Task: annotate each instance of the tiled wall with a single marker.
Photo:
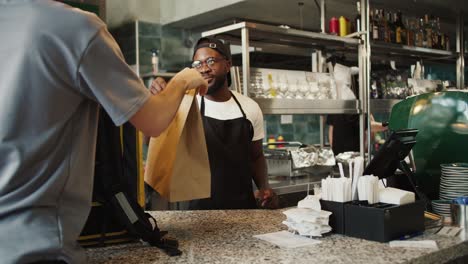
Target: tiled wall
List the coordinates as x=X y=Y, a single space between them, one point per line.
x=304 y=128
x=175 y=50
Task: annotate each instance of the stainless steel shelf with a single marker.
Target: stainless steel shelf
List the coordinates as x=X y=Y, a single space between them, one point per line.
x=383 y=105
x=304 y=106
x=393 y=50
x=286 y=36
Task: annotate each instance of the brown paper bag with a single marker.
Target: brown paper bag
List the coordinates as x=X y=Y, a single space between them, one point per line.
x=177 y=165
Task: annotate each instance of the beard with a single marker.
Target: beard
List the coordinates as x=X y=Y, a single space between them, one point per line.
x=218 y=83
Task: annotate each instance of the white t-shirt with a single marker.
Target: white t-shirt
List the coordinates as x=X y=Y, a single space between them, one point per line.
x=57 y=65
x=230 y=110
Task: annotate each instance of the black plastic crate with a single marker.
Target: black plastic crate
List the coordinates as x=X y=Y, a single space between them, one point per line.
x=337 y=218
x=383 y=222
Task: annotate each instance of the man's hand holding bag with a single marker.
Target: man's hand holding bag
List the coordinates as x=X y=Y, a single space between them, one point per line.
x=177 y=163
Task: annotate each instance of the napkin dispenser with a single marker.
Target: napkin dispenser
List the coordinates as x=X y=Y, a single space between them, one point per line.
x=379 y=222
x=337 y=218
x=383 y=222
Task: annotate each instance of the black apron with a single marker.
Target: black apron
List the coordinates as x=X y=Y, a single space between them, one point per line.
x=228 y=143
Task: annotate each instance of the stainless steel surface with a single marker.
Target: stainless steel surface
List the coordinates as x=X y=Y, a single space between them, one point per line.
x=258 y=46
x=322 y=130
x=461 y=51
x=364 y=78
x=235 y=78
x=137 y=50
x=411 y=52
x=323 y=21
x=304 y=106
x=224 y=29
x=459 y=214
x=274 y=34
x=245 y=60
x=279 y=167
x=284 y=184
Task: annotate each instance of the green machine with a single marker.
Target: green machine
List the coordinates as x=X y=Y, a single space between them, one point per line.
x=442 y=121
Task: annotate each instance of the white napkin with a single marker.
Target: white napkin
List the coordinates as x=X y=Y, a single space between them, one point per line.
x=311 y=202
x=305 y=214
x=285 y=239
x=308 y=219
x=395 y=196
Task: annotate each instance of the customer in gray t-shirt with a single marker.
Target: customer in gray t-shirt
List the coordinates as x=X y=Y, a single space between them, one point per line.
x=57 y=64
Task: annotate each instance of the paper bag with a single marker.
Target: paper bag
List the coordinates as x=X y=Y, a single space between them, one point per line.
x=177 y=166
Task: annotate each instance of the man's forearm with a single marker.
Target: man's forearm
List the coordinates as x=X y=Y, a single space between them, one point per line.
x=260 y=172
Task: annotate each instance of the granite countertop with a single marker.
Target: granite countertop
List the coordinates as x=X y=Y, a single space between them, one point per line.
x=226 y=237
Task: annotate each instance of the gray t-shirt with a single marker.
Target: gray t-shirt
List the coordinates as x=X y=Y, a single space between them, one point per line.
x=57 y=64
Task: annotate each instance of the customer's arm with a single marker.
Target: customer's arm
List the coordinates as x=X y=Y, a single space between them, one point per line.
x=158 y=111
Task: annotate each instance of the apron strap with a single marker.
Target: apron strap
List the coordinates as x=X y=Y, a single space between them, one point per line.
x=240 y=107
x=202 y=106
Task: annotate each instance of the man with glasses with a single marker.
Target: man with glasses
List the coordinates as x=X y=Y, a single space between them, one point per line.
x=234 y=131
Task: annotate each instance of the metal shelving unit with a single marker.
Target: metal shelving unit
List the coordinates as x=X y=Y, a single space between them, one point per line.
x=410 y=52
x=304 y=42
x=298 y=41
x=304 y=106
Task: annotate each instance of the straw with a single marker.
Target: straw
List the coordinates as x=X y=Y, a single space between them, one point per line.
x=340 y=166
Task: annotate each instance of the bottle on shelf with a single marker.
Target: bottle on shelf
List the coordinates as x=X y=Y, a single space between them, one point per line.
x=391 y=27
x=349 y=26
x=419 y=36
x=271 y=139
x=334 y=26
x=155 y=60
x=400 y=31
x=447 y=42
x=382 y=26
x=410 y=32
x=434 y=35
x=427 y=41
x=280 y=139
x=374 y=25
x=343 y=26
x=272 y=87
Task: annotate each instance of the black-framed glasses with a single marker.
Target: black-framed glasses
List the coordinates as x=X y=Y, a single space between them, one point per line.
x=210 y=62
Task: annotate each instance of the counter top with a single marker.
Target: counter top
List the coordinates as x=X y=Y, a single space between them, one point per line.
x=226 y=237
